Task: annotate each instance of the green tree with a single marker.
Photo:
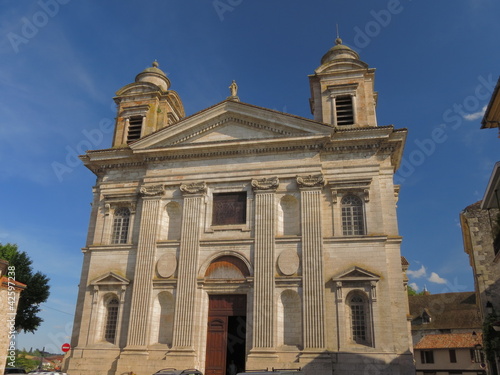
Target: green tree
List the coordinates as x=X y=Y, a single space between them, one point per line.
x=26 y=363
x=413 y=292
x=36 y=292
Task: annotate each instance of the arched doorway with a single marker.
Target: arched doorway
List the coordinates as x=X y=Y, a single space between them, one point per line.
x=226 y=331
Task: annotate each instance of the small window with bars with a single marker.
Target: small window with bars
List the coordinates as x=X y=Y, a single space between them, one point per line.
x=229 y=208
x=344 y=110
x=111 y=320
x=121 y=225
x=358 y=320
x=352 y=216
x=134 y=128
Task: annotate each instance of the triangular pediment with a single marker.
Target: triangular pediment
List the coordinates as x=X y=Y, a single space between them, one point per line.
x=230 y=122
x=358 y=274
x=110 y=278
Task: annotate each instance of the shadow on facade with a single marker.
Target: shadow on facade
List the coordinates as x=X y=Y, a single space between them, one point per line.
x=344 y=363
x=491 y=324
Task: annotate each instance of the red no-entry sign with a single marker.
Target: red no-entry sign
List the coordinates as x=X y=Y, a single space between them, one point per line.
x=65 y=347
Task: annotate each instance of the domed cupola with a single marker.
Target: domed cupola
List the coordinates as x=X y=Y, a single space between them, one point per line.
x=145 y=106
x=339 y=52
x=342 y=89
x=155 y=76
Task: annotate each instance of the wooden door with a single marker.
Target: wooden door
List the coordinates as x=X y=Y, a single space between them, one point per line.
x=220 y=308
x=216 y=346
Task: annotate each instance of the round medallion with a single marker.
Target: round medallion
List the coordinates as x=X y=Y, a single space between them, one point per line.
x=288 y=262
x=166 y=265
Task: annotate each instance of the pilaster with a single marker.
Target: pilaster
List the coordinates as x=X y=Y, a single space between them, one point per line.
x=264 y=309
x=144 y=268
x=188 y=261
x=312 y=261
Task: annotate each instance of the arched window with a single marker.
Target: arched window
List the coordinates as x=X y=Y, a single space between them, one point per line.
x=121 y=225
x=352 y=216
x=111 y=320
x=359 y=314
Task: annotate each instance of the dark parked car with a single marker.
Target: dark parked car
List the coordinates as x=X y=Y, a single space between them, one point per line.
x=173 y=371
x=14 y=370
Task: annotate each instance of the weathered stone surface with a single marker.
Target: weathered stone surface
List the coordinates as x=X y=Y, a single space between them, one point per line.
x=287 y=252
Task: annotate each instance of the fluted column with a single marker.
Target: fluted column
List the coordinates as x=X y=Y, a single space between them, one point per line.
x=139 y=324
x=188 y=263
x=312 y=262
x=263 y=308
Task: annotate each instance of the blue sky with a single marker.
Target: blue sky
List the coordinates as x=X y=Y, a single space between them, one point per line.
x=61 y=61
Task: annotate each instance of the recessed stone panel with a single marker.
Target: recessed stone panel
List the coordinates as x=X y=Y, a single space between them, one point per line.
x=288 y=262
x=166 y=265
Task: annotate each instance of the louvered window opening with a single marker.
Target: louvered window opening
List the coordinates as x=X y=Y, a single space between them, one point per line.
x=358 y=319
x=111 y=321
x=134 y=128
x=229 y=208
x=352 y=216
x=120 y=226
x=344 y=110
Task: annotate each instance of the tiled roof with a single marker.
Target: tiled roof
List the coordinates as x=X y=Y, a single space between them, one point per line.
x=5 y=282
x=404 y=261
x=450 y=341
x=446 y=311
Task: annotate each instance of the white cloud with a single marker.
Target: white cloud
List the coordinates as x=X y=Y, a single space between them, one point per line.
x=414 y=286
x=475 y=115
x=435 y=278
x=418 y=273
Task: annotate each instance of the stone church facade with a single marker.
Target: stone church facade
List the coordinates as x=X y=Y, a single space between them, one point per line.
x=242 y=237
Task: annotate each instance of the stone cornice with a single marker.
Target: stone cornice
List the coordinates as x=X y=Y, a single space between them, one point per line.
x=377 y=139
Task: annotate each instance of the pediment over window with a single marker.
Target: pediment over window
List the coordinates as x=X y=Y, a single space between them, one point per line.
x=110 y=279
x=356 y=274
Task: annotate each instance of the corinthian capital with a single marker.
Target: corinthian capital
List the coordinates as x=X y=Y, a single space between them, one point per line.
x=265 y=183
x=151 y=191
x=194 y=188
x=311 y=181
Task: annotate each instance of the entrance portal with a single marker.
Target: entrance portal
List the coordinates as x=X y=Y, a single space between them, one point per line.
x=226 y=334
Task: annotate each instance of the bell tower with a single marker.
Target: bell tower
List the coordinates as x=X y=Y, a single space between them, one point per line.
x=145 y=106
x=342 y=89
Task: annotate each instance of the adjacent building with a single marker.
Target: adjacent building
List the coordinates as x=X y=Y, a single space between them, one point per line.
x=480 y=224
x=447 y=334
x=242 y=236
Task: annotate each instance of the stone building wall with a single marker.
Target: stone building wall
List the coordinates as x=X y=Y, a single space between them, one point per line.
x=479 y=229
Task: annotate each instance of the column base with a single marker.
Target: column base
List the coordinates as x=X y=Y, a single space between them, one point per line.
x=261 y=359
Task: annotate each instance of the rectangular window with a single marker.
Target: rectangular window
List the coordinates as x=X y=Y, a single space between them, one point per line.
x=134 y=128
x=476 y=356
x=427 y=356
x=453 y=356
x=344 y=110
x=229 y=208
